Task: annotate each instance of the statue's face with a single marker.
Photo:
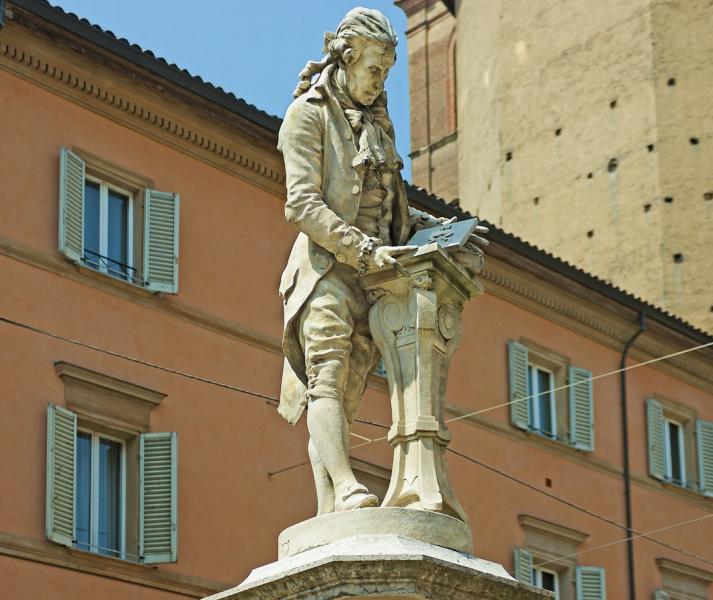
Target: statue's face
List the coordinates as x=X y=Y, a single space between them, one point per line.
x=366 y=77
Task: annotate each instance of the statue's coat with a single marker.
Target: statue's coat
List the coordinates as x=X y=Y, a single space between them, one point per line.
x=318 y=146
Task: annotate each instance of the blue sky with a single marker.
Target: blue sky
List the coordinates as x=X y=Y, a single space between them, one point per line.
x=253 y=49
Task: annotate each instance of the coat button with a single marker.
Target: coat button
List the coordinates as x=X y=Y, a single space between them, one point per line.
x=355 y=190
x=346 y=241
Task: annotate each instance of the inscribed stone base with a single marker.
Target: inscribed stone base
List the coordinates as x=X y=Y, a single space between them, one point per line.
x=381 y=567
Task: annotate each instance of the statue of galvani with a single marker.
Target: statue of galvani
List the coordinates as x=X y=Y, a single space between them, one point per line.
x=346 y=197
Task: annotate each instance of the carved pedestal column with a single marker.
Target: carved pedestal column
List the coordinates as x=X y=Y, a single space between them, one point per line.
x=416 y=323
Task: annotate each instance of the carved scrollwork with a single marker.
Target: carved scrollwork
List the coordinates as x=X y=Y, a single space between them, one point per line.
x=393 y=313
x=449 y=320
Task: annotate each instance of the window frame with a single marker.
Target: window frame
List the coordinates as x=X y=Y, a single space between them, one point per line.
x=668 y=454
x=536 y=421
x=104 y=187
x=558 y=366
x=686 y=418
x=94 y=548
x=537 y=579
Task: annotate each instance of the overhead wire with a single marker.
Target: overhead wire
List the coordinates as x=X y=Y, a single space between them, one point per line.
x=576 y=506
x=633 y=537
x=366 y=441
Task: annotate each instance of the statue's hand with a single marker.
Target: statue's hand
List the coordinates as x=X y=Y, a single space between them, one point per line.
x=386 y=255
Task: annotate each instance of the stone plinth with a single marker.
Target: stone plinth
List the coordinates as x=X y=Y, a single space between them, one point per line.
x=420 y=525
x=383 y=567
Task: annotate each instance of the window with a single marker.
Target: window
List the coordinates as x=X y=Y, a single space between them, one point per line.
x=113 y=222
x=547 y=559
x=541 y=403
x=111 y=485
x=108 y=228
x=546 y=580
x=680 y=446
x=543 y=410
x=380 y=369
x=675 y=452
x=100 y=493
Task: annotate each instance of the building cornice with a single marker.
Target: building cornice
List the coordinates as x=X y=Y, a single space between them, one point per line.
x=108 y=85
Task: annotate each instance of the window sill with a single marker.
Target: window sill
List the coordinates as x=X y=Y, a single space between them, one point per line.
x=46 y=552
x=684 y=489
x=100 y=279
x=552 y=442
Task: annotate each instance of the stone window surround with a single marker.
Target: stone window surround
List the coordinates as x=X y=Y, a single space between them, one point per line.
x=558 y=364
x=117 y=408
x=687 y=417
x=548 y=541
x=682 y=581
x=123 y=408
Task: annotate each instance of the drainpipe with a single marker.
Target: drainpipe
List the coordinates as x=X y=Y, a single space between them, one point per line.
x=627 y=470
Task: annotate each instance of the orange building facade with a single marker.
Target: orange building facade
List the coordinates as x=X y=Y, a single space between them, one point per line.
x=142 y=453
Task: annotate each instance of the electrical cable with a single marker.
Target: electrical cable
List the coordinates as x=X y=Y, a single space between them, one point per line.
x=139 y=361
x=274 y=401
x=575 y=506
x=626 y=539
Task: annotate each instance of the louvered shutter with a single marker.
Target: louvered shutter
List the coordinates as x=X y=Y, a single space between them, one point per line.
x=59 y=504
x=71 y=205
x=581 y=409
x=704 y=443
x=661 y=595
x=523 y=566
x=655 y=432
x=158 y=520
x=519 y=385
x=161 y=241
x=591 y=583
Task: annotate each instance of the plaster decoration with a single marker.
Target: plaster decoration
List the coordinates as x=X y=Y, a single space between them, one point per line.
x=346 y=197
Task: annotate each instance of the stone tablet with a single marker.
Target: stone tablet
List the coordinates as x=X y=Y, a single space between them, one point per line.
x=447 y=235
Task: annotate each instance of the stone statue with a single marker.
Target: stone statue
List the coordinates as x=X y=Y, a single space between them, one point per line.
x=346 y=197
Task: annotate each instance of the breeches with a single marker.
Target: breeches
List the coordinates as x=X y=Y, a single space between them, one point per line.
x=335 y=337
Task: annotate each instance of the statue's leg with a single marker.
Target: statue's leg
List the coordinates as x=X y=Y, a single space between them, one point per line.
x=322 y=481
x=327 y=327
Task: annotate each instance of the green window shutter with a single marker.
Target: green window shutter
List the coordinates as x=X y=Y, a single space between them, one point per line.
x=158 y=519
x=519 y=385
x=655 y=434
x=581 y=409
x=71 y=205
x=591 y=583
x=161 y=241
x=523 y=566
x=704 y=443
x=59 y=505
x=661 y=595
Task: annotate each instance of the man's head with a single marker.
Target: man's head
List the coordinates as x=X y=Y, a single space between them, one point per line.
x=367 y=70
x=365 y=47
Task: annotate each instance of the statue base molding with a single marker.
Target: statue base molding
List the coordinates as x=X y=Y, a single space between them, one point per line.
x=381 y=567
x=420 y=525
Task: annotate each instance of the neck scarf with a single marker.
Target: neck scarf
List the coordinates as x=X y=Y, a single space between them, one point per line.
x=373 y=128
